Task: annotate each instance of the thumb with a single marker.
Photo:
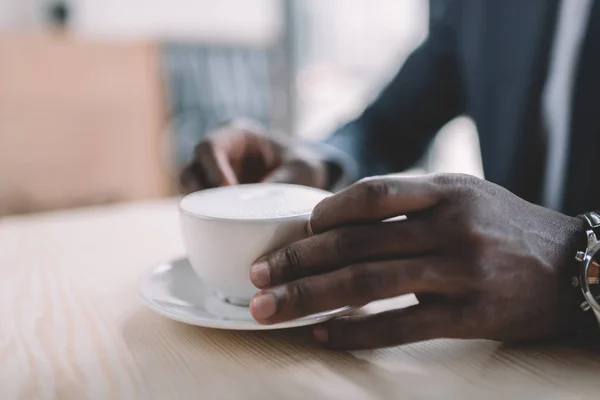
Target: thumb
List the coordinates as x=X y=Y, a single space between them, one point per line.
x=212 y=166
x=298 y=172
x=284 y=174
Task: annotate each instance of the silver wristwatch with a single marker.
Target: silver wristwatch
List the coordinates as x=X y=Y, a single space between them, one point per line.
x=589 y=271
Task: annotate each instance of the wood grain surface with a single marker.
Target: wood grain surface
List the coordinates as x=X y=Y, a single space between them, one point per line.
x=73 y=327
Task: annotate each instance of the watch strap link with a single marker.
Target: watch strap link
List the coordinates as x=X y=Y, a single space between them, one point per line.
x=592 y=219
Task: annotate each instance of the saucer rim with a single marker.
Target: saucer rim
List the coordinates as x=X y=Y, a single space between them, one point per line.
x=239 y=325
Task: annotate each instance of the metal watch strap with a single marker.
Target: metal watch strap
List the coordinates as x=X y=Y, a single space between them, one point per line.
x=593 y=221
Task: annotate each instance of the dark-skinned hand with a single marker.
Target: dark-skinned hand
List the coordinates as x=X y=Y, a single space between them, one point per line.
x=242 y=152
x=483 y=263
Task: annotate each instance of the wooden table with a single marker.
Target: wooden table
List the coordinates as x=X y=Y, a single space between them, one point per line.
x=73 y=327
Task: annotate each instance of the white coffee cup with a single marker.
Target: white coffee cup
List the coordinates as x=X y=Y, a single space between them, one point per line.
x=225 y=230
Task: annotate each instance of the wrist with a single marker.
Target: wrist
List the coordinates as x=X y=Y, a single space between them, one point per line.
x=333 y=173
x=340 y=168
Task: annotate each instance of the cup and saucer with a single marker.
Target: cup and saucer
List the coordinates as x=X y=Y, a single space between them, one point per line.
x=173 y=290
x=224 y=232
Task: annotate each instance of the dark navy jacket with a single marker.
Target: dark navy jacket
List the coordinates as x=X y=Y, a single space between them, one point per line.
x=486 y=59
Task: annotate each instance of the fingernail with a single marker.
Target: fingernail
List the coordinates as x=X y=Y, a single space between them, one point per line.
x=321 y=334
x=260 y=274
x=309 y=229
x=263 y=306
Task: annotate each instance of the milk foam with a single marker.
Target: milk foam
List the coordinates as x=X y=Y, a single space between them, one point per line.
x=257 y=201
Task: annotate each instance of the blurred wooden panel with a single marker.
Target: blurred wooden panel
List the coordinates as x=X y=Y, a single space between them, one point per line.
x=80 y=123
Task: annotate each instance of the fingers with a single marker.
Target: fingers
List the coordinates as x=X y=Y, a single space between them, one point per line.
x=299 y=172
x=210 y=168
x=302 y=167
x=215 y=165
x=239 y=154
x=375 y=199
x=392 y=328
x=284 y=174
x=355 y=285
x=344 y=246
x=212 y=165
x=191 y=179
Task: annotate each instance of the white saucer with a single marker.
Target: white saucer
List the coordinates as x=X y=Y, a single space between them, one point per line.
x=175 y=291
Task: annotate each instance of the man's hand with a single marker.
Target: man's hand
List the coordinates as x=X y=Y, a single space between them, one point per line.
x=241 y=153
x=482 y=262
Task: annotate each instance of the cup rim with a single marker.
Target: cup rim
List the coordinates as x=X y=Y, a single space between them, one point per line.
x=292 y=217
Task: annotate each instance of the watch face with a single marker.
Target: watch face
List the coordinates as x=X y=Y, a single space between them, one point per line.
x=593 y=276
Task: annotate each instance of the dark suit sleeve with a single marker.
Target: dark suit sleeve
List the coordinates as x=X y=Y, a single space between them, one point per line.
x=395 y=130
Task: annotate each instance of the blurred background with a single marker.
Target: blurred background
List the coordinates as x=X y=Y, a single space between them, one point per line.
x=102 y=101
